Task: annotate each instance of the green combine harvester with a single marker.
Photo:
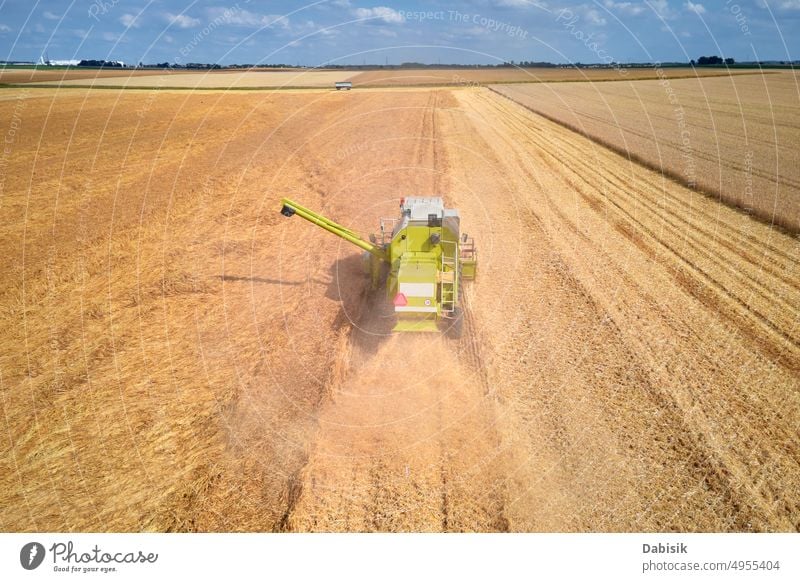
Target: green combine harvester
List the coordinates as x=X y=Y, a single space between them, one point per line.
x=426 y=256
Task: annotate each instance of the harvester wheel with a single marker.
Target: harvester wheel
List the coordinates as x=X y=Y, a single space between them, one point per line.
x=456 y=324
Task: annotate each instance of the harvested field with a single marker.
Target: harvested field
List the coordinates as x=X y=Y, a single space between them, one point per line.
x=32 y=75
x=255 y=78
x=735 y=138
x=175 y=355
x=517 y=75
x=213 y=79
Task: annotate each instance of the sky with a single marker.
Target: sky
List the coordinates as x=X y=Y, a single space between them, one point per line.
x=346 y=32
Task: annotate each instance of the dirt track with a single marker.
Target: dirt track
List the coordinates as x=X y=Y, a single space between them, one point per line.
x=631 y=359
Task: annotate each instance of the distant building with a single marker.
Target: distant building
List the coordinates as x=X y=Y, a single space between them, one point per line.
x=59 y=63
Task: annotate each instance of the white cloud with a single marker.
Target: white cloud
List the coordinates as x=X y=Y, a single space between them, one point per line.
x=783 y=5
x=382 y=32
x=130 y=21
x=50 y=16
x=382 y=13
x=474 y=31
x=110 y=37
x=181 y=20
x=519 y=4
x=246 y=18
x=305 y=27
x=661 y=7
x=593 y=16
x=632 y=8
x=514 y=3
x=4 y=28
x=696 y=8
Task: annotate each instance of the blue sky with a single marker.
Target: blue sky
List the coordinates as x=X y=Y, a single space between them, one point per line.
x=395 y=31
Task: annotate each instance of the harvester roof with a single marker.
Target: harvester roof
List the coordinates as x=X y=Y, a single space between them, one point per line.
x=429 y=211
x=420 y=208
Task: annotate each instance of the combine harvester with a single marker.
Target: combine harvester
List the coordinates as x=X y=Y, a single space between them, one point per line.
x=426 y=257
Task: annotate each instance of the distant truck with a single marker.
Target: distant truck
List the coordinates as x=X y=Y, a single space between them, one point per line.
x=346 y=85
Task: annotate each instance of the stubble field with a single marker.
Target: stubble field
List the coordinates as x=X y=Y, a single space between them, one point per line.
x=234 y=79
x=13 y=75
x=175 y=355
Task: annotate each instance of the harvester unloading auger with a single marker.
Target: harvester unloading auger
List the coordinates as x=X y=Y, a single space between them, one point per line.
x=427 y=258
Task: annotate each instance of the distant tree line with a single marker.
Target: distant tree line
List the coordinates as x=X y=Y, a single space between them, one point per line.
x=715 y=60
x=529 y=64
x=701 y=61
x=99 y=63
x=166 y=65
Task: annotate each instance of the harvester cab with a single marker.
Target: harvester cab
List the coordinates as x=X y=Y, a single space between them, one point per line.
x=427 y=256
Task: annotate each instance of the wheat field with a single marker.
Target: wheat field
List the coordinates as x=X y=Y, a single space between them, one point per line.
x=177 y=356
x=255 y=78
